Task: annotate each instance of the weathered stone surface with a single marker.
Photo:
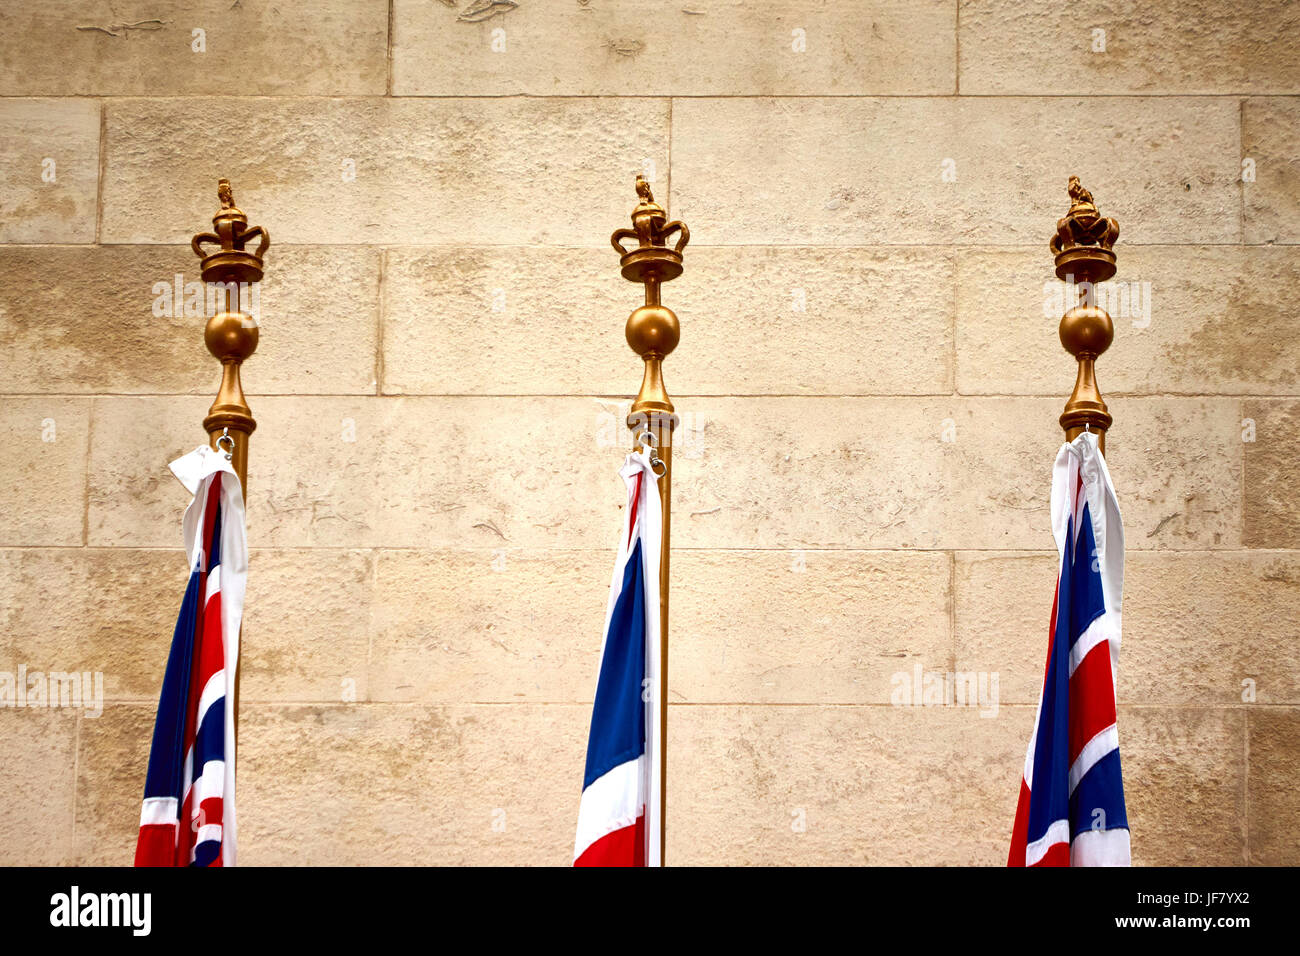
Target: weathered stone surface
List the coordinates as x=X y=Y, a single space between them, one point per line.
x=1189 y=320
x=305 y=634
x=110 y=611
x=864 y=782
x=482 y=171
x=134 y=499
x=759 y=171
x=1273 y=801
x=43 y=470
x=831 y=473
x=49 y=169
x=775 y=627
x=484 y=321
x=1183 y=775
x=491 y=625
x=108 y=319
x=372 y=472
x=1196 y=625
x=80 y=47
x=803 y=321
x=805 y=626
x=36 y=791
x=867 y=379
x=959 y=473
x=112 y=760
x=1270 y=474
x=1197 y=47
x=1003 y=604
x=1270 y=135
x=113 y=611
x=508 y=321
x=1176 y=465
x=717 y=47
x=351 y=784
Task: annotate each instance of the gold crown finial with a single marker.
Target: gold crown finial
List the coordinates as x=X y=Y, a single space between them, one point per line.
x=231 y=262
x=1083 y=247
x=1084 y=238
x=652 y=329
x=651 y=259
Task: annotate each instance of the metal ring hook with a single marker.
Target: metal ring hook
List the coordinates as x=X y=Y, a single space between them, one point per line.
x=647 y=438
x=225 y=436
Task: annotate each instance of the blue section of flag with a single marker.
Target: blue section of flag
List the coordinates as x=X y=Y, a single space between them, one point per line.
x=1080 y=601
x=1081 y=592
x=167 y=753
x=1050 y=799
x=618 y=717
x=210 y=740
x=1101 y=789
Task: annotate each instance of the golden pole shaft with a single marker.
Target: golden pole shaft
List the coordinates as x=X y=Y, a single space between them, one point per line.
x=652 y=332
x=231 y=336
x=663 y=432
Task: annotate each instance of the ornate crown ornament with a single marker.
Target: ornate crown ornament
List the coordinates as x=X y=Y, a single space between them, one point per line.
x=231 y=262
x=651 y=259
x=1084 y=256
x=231 y=334
x=1084 y=239
x=652 y=329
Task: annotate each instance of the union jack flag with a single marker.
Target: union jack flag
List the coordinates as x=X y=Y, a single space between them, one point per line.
x=188 y=814
x=1071 y=810
x=619 y=817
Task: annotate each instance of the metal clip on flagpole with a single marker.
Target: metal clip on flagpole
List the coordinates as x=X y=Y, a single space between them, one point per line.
x=653 y=331
x=231 y=334
x=1084 y=257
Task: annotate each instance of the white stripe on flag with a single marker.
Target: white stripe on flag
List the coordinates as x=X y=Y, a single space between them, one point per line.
x=209 y=784
x=1096 y=748
x=612 y=802
x=214 y=584
x=209 y=833
x=1058 y=832
x=1101 y=848
x=156 y=810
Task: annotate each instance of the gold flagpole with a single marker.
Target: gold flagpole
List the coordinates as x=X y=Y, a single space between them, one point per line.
x=1084 y=257
x=231 y=334
x=653 y=331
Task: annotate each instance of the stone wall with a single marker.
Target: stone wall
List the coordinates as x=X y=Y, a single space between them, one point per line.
x=869 y=378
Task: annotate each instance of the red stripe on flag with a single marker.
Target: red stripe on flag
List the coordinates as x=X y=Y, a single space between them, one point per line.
x=1057 y=855
x=636 y=501
x=1092 y=698
x=1020 y=832
x=625 y=847
x=156 y=845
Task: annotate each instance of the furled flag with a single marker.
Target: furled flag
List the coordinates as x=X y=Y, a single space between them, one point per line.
x=619 y=817
x=188 y=816
x=1071 y=810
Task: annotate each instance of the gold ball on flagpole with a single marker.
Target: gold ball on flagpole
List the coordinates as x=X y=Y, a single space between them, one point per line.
x=653 y=329
x=1086 y=330
x=231 y=335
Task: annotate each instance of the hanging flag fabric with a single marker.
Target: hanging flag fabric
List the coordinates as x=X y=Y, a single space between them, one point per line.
x=188 y=815
x=619 y=816
x=1071 y=810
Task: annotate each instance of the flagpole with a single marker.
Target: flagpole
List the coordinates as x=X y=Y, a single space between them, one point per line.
x=652 y=332
x=1083 y=248
x=231 y=334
